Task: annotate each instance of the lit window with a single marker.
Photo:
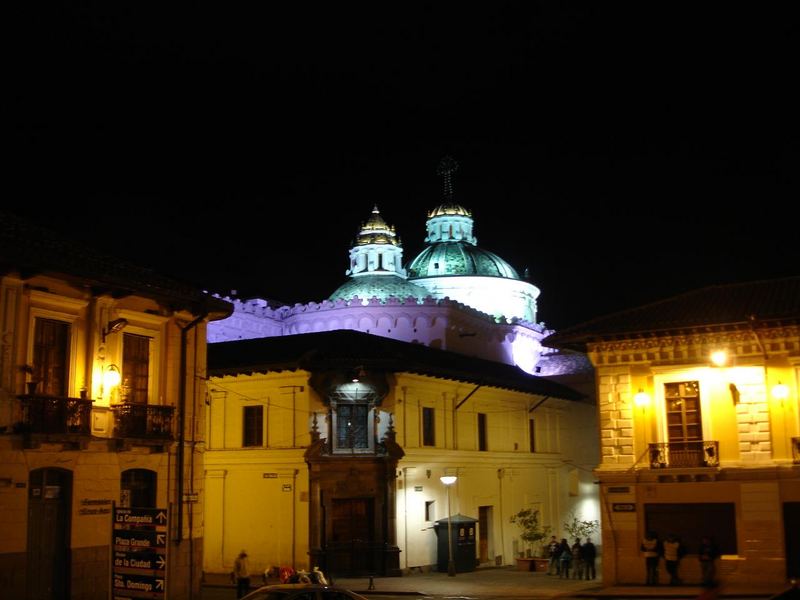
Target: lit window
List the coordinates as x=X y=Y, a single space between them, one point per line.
x=351 y=426
x=135 y=368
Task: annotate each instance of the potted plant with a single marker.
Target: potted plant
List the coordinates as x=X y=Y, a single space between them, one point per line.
x=31 y=382
x=578 y=528
x=532 y=533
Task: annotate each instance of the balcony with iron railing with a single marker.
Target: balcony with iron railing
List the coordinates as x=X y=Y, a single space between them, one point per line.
x=61 y=419
x=143 y=421
x=45 y=418
x=681 y=455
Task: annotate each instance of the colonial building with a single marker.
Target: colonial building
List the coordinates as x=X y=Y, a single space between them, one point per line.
x=326 y=449
x=345 y=435
x=699 y=430
x=101 y=409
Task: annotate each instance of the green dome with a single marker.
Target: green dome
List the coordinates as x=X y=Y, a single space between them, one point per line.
x=459 y=258
x=379 y=286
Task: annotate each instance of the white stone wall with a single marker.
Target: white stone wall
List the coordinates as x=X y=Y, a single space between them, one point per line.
x=443 y=324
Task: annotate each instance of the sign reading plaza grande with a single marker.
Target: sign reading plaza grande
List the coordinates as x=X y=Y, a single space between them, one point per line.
x=139 y=559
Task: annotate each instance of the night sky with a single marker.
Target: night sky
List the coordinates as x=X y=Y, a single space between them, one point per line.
x=622 y=152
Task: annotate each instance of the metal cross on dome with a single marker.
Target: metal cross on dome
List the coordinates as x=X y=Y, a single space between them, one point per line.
x=447 y=166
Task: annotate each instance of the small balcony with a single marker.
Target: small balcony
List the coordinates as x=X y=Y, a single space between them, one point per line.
x=796 y=450
x=143 y=421
x=54 y=418
x=681 y=455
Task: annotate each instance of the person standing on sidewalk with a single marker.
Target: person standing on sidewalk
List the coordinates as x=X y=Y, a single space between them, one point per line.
x=564 y=558
x=589 y=554
x=651 y=549
x=707 y=555
x=577 y=559
x=553 y=551
x=673 y=552
x=241 y=574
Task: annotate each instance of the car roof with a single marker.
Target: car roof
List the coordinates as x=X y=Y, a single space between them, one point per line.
x=288 y=587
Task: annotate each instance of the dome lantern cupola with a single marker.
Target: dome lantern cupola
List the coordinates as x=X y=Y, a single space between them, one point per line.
x=376 y=250
x=449 y=222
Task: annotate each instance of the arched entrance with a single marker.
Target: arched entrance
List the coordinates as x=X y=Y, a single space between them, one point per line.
x=48 y=564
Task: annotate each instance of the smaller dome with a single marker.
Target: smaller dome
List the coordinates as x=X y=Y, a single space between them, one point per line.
x=457 y=258
x=376 y=231
x=379 y=286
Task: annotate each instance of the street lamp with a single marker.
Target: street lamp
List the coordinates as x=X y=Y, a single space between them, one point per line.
x=449 y=480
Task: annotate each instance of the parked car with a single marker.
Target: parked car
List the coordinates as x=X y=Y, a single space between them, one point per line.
x=302 y=591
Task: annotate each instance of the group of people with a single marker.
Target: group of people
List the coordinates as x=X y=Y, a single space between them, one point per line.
x=578 y=558
x=673 y=550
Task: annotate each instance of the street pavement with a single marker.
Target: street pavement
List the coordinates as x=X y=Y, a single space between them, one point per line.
x=508 y=582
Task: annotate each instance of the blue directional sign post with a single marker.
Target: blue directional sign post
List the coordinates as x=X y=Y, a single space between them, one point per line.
x=139 y=555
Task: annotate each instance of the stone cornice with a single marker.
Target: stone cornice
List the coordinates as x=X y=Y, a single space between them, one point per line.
x=737 y=337
x=260 y=308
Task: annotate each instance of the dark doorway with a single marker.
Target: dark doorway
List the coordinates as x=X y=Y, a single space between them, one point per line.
x=791 y=525
x=691 y=521
x=350 y=547
x=49 y=505
x=484 y=518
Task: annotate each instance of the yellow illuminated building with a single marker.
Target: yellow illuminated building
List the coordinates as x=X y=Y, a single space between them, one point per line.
x=327 y=449
x=101 y=408
x=697 y=400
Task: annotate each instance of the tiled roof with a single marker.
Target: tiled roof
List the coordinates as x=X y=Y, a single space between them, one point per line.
x=379 y=286
x=460 y=258
x=756 y=303
x=30 y=249
x=347 y=349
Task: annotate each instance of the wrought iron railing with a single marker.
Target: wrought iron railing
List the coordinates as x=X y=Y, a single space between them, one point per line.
x=143 y=421
x=796 y=450
x=699 y=453
x=54 y=415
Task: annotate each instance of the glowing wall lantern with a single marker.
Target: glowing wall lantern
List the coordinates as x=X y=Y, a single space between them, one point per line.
x=780 y=391
x=642 y=399
x=719 y=358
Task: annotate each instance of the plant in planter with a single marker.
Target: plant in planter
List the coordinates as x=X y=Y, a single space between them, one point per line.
x=578 y=528
x=31 y=382
x=532 y=530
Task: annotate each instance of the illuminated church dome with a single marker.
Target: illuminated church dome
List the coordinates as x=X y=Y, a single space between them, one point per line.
x=462 y=298
x=452 y=265
x=376 y=265
x=458 y=258
x=379 y=286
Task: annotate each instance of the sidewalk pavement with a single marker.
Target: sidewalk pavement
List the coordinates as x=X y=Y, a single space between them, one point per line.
x=509 y=582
